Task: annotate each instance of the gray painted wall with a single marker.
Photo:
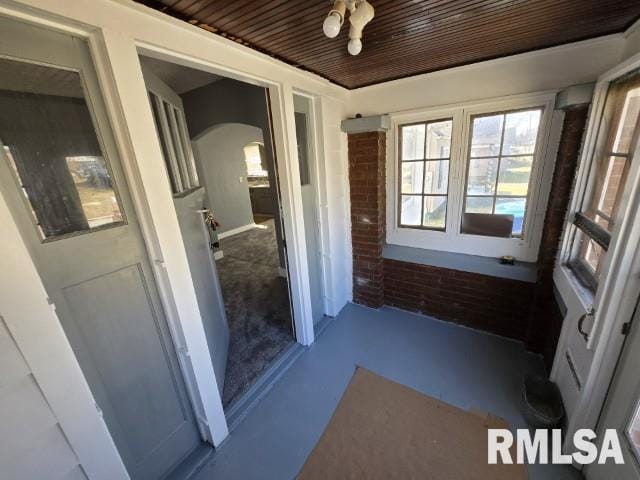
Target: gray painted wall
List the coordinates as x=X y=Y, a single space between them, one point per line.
x=230 y=101
x=219 y=154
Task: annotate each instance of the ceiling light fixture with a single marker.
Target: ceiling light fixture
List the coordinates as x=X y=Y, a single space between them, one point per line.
x=360 y=13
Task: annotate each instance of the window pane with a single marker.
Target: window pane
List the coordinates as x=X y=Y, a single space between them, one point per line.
x=520 y=132
x=48 y=133
x=413 y=142
x=436 y=177
x=628 y=121
x=435 y=212
x=514 y=175
x=410 y=210
x=609 y=184
x=481 y=178
x=439 y=139
x=515 y=207
x=412 y=177
x=479 y=205
x=487 y=132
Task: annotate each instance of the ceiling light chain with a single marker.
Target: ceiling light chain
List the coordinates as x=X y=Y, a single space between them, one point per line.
x=360 y=13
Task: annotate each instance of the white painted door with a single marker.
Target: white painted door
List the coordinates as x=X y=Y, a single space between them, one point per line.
x=189 y=201
x=310 y=210
x=622 y=412
x=62 y=179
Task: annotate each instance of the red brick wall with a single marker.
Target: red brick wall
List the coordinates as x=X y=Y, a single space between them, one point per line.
x=367 y=154
x=546 y=320
x=497 y=305
x=521 y=310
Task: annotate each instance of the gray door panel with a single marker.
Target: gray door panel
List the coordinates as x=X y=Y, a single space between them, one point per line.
x=205 y=278
x=61 y=176
x=310 y=214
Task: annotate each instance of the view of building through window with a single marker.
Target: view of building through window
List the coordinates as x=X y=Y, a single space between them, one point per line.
x=424 y=176
x=501 y=157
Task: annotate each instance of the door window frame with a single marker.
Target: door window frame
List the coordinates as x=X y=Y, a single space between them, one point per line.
x=10 y=163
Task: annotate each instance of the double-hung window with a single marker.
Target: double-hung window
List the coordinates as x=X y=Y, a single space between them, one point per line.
x=503 y=146
x=424 y=174
x=615 y=146
x=472 y=178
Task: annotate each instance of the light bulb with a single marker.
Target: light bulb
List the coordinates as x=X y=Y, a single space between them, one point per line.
x=354 y=46
x=331 y=25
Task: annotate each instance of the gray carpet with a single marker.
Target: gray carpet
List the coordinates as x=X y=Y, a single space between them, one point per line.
x=256 y=299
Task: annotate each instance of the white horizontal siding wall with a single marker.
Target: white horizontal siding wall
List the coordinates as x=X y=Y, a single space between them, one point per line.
x=334 y=203
x=33 y=445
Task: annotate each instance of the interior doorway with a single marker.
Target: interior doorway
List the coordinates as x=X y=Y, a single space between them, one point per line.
x=216 y=138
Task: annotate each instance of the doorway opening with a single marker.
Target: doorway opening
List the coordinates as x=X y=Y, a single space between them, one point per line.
x=216 y=137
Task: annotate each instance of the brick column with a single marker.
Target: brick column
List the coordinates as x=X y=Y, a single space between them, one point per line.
x=367 y=157
x=546 y=320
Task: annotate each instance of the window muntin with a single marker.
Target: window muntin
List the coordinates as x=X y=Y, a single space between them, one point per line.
x=425 y=152
x=618 y=134
x=49 y=140
x=500 y=161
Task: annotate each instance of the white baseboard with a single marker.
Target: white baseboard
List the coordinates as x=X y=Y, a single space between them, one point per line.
x=218 y=254
x=235 y=231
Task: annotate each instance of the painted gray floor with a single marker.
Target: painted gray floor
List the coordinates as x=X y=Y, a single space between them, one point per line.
x=256 y=299
x=466 y=368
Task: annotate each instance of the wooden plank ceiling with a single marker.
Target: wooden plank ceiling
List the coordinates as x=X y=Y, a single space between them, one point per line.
x=406 y=37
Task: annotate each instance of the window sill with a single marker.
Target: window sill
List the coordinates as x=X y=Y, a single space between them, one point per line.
x=521 y=271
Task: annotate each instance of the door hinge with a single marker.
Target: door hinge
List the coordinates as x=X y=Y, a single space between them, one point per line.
x=626 y=326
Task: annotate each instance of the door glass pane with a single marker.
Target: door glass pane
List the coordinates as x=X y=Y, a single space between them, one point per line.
x=633 y=433
x=514 y=175
x=482 y=175
x=50 y=142
x=413 y=142
x=412 y=173
x=435 y=212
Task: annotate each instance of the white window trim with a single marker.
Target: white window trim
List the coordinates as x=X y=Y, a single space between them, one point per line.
x=452 y=240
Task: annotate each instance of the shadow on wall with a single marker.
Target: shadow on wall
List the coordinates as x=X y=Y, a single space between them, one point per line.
x=220 y=158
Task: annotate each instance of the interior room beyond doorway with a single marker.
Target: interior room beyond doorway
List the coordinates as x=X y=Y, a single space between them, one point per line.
x=236 y=248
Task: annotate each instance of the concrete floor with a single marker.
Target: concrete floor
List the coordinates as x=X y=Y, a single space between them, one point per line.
x=466 y=368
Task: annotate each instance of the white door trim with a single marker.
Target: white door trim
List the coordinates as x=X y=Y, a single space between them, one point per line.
x=319 y=183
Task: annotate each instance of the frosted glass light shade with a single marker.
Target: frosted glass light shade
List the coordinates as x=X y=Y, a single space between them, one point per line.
x=354 y=46
x=332 y=24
